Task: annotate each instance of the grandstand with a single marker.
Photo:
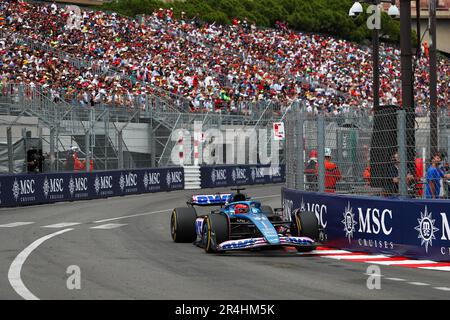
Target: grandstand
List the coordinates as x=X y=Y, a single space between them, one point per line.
x=178 y=67
x=84 y=2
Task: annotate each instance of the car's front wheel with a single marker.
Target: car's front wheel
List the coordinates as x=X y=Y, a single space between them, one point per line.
x=215 y=231
x=305 y=224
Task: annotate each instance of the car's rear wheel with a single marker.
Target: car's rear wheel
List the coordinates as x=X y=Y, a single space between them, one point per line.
x=215 y=231
x=305 y=224
x=182 y=225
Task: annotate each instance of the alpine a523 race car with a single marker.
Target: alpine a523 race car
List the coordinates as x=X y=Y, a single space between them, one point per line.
x=242 y=224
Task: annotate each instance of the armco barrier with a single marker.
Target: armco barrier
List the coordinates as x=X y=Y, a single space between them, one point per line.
x=411 y=228
x=27 y=189
x=236 y=175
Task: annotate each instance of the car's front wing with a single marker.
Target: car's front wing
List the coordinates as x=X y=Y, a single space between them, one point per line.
x=262 y=242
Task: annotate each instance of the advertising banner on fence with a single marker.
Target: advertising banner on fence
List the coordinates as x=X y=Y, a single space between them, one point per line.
x=16 y=190
x=235 y=175
x=414 y=228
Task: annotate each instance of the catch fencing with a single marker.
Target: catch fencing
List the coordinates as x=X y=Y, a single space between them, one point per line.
x=376 y=153
x=113 y=136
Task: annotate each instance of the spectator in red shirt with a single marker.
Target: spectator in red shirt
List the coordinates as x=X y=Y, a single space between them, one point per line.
x=418 y=177
x=332 y=173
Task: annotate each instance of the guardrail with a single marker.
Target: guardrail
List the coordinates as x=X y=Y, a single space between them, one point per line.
x=393 y=226
x=28 y=189
x=237 y=175
x=40 y=188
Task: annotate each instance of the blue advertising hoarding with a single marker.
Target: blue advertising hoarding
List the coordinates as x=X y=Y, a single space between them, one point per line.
x=407 y=227
x=236 y=175
x=27 y=189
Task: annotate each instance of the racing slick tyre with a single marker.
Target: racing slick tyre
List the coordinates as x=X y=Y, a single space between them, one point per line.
x=182 y=225
x=215 y=231
x=306 y=225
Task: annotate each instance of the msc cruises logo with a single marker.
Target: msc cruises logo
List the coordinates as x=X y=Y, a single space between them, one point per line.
x=426 y=229
x=71 y=186
x=302 y=206
x=46 y=187
x=253 y=174
x=349 y=222
x=16 y=189
x=122 y=182
x=97 y=184
x=146 y=180
x=213 y=175
x=168 y=179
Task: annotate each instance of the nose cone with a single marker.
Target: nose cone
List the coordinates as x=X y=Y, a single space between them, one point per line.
x=266 y=228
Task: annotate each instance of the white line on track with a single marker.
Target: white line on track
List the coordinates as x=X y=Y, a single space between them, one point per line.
x=355 y=257
x=323 y=252
x=165 y=210
x=61 y=225
x=419 y=283
x=442 y=288
x=133 y=215
x=436 y=268
x=15 y=224
x=391 y=263
x=16 y=266
x=395 y=279
x=265 y=197
x=109 y=226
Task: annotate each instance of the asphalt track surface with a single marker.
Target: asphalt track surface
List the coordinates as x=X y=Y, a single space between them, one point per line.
x=136 y=259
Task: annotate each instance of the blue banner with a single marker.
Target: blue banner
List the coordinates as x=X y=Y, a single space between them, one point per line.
x=237 y=175
x=26 y=189
x=407 y=227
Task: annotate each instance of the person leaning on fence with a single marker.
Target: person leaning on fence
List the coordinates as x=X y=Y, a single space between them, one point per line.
x=419 y=162
x=91 y=163
x=332 y=173
x=434 y=177
x=393 y=176
x=366 y=175
x=311 y=171
x=77 y=164
x=68 y=164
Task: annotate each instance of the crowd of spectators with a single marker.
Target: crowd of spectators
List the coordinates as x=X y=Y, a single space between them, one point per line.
x=212 y=67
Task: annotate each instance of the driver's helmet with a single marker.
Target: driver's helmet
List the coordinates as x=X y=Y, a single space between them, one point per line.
x=241 y=208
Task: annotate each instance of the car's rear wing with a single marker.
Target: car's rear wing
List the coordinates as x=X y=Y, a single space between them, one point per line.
x=210 y=199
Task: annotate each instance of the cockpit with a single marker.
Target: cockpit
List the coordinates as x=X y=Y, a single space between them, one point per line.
x=244 y=208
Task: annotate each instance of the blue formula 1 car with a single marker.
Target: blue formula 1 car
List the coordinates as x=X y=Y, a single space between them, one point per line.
x=242 y=224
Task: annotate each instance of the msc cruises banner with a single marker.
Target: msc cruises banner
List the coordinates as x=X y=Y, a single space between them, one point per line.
x=26 y=189
x=235 y=175
x=408 y=227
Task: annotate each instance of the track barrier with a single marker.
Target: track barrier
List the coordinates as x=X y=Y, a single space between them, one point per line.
x=394 y=226
x=41 y=188
x=27 y=189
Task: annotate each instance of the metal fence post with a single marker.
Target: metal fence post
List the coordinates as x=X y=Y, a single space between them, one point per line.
x=299 y=152
x=52 y=149
x=10 y=150
x=151 y=133
x=21 y=96
x=402 y=170
x=57 y=149
x=88 y=148
x=107 y=137
x=120 y=147
x=321 y=151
